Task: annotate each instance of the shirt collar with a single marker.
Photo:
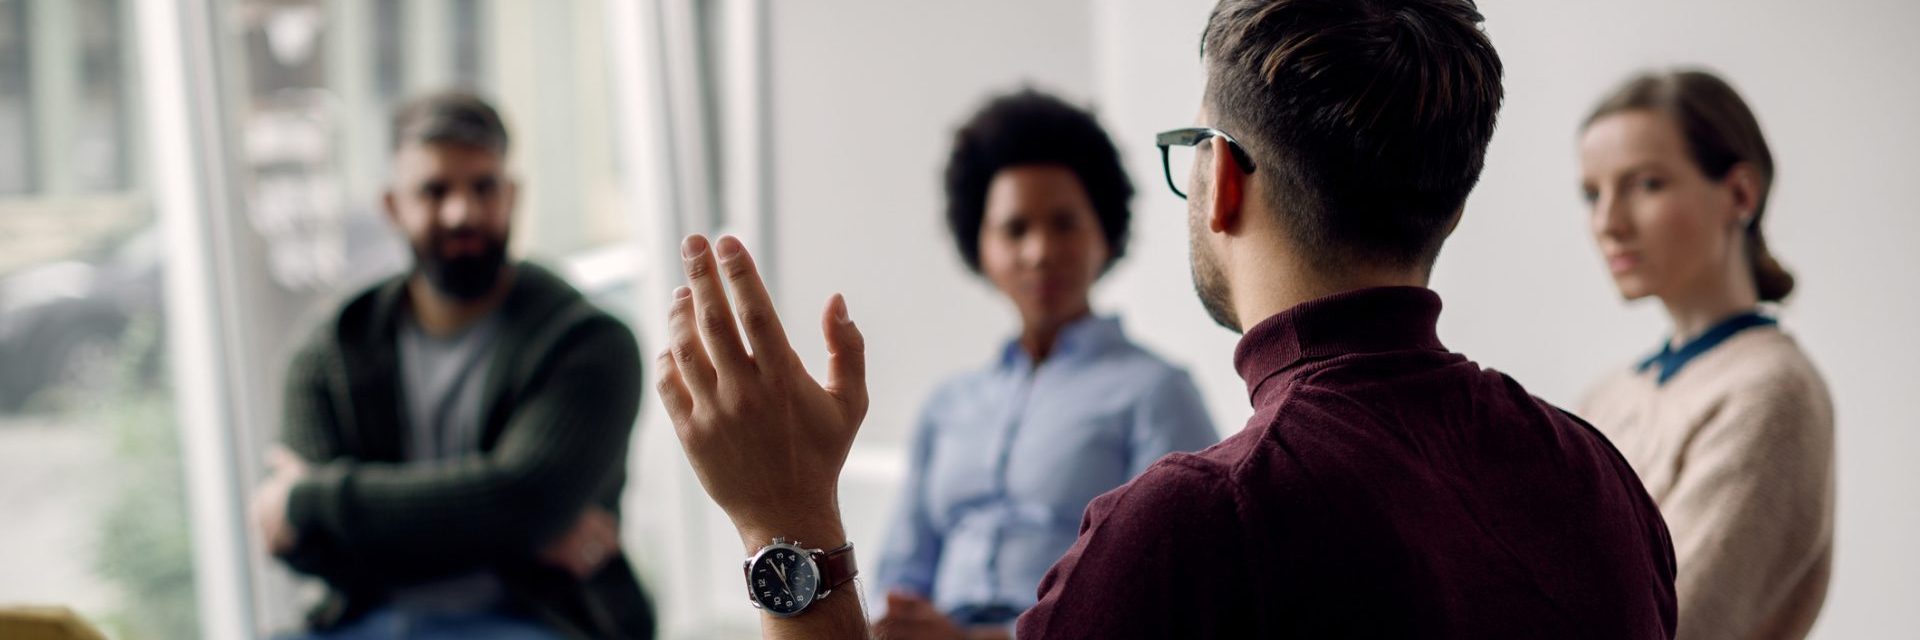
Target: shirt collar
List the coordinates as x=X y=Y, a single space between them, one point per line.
x=1360 y=321
x=1670 y=360
x=1089 y=334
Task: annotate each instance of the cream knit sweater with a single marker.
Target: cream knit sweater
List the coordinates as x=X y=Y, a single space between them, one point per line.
x=1737 y=448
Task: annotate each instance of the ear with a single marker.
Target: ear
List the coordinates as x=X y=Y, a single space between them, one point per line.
x=390 y=205
x=1455 y=222
x=1227 y=190
x=512 y=187
x=1743 y=189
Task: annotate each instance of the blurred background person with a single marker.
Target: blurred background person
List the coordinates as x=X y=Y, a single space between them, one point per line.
x=458 y=434
x=1728 y=424
x=1004 y=459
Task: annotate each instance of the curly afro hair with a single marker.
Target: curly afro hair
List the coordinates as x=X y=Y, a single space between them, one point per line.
x=1028 y=128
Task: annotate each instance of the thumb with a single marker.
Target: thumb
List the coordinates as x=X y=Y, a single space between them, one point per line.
x=846 y=358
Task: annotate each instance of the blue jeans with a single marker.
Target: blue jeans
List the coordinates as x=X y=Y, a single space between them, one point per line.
x=395 y=624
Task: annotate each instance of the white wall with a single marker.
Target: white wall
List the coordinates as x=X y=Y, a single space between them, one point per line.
x=1835 y=89
x=866 y=96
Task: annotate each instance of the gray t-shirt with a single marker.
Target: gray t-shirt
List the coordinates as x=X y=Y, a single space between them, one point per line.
x=442 y=379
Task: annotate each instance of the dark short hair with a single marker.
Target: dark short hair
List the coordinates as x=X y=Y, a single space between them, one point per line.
x=449 y=117
x=1369 y=119
x=1721 y=133
x=1033 y=128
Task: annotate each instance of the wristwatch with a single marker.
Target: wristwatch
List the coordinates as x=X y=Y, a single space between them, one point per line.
x=784 y=578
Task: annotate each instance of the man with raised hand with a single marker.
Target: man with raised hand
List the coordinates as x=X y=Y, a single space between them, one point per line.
x=1384 y=487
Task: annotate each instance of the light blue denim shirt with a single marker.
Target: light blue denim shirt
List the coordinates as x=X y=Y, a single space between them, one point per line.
x=1004 y=461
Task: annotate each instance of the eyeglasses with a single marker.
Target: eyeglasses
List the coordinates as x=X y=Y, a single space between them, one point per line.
x=1182 y=157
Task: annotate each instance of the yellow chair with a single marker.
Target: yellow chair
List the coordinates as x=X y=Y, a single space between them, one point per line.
x=44 y=623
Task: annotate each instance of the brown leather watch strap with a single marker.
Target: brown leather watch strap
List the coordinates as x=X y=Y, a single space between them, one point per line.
x=836 y=567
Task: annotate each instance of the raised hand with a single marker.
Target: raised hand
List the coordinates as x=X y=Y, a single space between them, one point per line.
x=766 y=440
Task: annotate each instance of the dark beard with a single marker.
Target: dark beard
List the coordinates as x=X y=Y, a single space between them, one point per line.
x=466 y=278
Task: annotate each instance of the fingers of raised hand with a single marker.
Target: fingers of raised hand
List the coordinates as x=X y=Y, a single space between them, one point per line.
x=846 y=358
x=673 y=391
x=690 y=361
x=758 y=317
x=713 y=314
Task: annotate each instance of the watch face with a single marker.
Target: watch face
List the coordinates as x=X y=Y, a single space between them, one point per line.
x=783 y=579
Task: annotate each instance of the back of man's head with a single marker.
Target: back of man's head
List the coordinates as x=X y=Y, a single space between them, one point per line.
x=449 y=117
x=1368 y=119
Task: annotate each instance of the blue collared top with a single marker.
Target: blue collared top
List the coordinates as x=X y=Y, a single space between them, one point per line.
x=1004 y=461
x=1670 y=360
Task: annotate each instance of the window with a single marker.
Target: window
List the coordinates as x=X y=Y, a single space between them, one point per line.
x=90 y=462
x=63 y=99
x=101 y=160
x=469 y=56
x=387 y=25
x=16 y=109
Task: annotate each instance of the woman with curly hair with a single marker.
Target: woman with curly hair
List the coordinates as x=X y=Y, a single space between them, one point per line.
x=1005 y=458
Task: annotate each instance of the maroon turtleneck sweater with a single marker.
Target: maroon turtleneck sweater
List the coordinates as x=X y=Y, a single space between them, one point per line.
x=1384 y=487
